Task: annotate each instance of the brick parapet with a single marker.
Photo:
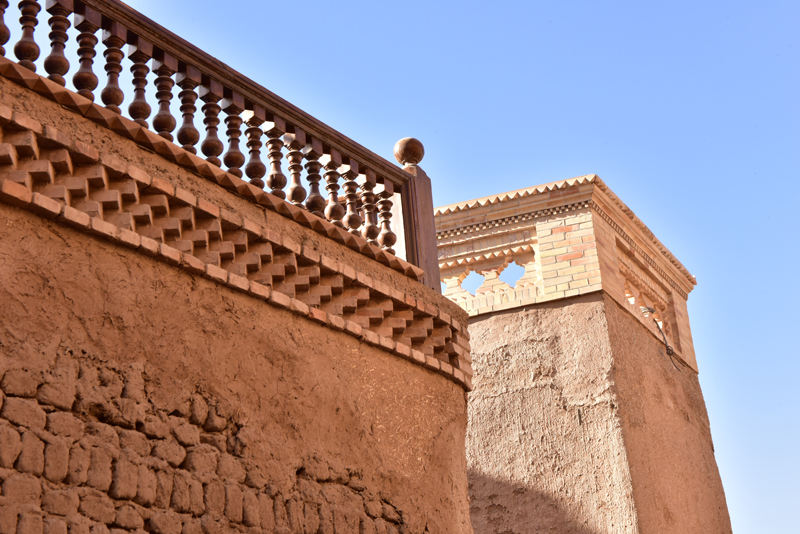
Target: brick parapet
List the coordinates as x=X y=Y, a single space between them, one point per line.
x=262 y=248
x=572 y=237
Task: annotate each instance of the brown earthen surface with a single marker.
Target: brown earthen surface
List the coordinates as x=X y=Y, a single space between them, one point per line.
x=137 y=396
x=579 y=423
x=665 y=427
x=106 y=141
x=145 y=202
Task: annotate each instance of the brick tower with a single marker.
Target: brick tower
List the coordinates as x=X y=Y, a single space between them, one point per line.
x=586 y=415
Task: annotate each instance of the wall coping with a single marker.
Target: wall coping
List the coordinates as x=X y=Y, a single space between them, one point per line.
x=573 y=237
x=444 y=219
x=40 y=166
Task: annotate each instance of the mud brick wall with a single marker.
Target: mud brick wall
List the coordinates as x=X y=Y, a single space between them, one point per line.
x=136 y=396
x=148 y=393
x=64 y=471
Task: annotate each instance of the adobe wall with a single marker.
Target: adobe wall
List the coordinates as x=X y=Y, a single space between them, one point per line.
x=141 y=394
x=677 y=488
x=544 y=445
x=573 y=403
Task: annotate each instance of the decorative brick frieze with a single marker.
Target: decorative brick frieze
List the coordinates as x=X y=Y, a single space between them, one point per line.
x=511 y=220
x=572 y=237
x=97 y=193
x=650 y=261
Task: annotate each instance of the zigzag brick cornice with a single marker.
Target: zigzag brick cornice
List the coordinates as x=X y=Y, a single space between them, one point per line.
x=561 y=186
x=44 y=171
x=155 y=143
x=514 y=219
x=518 y=194
x=646 y=257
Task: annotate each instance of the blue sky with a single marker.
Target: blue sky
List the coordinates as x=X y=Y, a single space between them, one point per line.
x=689 y=111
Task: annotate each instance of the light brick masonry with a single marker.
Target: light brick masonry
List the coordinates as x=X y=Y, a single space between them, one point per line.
x=572 y=237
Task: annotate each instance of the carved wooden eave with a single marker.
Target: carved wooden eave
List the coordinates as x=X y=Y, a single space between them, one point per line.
x=572 y=237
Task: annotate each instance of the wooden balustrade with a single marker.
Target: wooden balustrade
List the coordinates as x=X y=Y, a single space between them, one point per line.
x=26 y=49
x=251 y=113
x=5 y=34
x=164 y=66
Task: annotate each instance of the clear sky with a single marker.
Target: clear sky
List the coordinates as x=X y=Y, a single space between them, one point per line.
x=689 y=111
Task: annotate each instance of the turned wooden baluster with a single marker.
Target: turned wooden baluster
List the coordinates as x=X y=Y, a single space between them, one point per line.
x=26 y=49
x=211 y=93
x=351 y=220
x=233 y=158
x=87 y=21
x=5 y=33
x=371 y=229
x=255 y=168
x=140 y=52
x=387 y=238
x=315 y=202
x=56 y=64
x=295 y=142
x=114 y=38
x=276 y=180
x=187 y=79
x=164 y=65
x=333 y=211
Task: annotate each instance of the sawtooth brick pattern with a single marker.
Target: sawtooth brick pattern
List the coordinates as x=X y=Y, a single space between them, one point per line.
x=100 y=194
x=572 y=237
x=153 y=142
x=144 y=470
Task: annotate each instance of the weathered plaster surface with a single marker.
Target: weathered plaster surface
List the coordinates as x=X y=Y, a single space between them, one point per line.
x=579 y=423
x=331 y=423
x=665 y=427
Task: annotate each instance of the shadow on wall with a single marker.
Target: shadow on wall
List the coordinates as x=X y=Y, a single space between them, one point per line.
x=533 y=512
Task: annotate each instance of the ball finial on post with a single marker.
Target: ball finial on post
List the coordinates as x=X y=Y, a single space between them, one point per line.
x=409 y=151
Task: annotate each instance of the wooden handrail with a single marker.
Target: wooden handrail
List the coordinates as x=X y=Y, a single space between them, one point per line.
x=184 y=51
x=329 y=155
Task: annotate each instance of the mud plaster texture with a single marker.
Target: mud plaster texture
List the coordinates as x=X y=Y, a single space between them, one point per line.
x=579 y=423
x=138 y=397
x=106 y=141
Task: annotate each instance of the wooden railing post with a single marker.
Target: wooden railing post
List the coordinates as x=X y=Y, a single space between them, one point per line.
x=419 y=226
